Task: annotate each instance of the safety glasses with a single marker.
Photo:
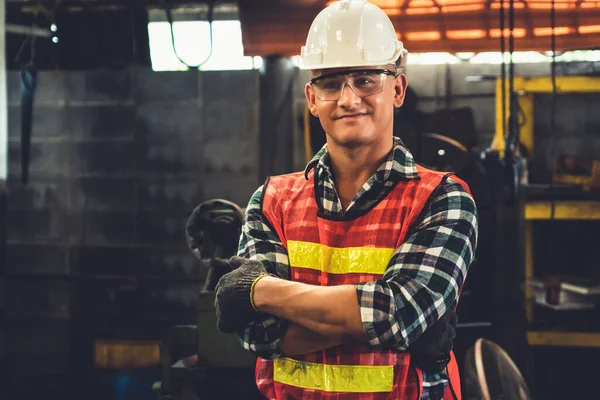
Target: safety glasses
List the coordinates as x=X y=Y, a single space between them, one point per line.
x=329 y=87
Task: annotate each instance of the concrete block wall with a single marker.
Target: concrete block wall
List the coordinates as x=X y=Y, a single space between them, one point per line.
x=118 y=158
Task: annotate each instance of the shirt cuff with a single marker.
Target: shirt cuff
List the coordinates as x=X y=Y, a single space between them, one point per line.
x=373 y=317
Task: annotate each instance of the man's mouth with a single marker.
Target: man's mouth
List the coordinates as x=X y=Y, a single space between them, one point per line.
x=352 y=116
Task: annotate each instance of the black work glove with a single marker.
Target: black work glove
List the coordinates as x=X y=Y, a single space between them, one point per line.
x=232 y=301
x=431 y=351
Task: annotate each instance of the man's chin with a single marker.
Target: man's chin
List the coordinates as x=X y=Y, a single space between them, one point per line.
x=351 y=139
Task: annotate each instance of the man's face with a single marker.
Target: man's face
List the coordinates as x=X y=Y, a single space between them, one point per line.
x=351 y=116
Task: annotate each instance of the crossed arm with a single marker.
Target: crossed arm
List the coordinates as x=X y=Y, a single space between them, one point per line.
x=422 y=281
x=314 y=327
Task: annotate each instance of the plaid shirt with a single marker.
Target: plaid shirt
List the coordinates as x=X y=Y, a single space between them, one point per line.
x=424 y=275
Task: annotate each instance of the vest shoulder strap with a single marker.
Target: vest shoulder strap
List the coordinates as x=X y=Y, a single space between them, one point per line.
x=278 y=189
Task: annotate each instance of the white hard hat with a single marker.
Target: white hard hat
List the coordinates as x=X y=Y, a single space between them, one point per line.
x=351 y=33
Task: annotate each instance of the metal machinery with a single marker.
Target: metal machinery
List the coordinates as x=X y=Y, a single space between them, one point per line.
x=558 y=204
x=199 y=362
x=491 y=374
x=446 y=140
x=536 y=202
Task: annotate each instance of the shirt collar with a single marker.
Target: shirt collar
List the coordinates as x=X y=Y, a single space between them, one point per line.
x=399 y=162
x=321 y=159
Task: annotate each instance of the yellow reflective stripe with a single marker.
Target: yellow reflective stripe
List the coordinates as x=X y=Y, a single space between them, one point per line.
x=334 y=378
x=335 y=260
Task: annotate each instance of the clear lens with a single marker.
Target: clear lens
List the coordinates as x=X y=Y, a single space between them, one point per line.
x=364 y=83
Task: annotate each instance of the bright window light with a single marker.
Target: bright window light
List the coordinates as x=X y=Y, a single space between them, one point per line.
x=192 y=41
x=465 y=56
x=521 y=57
x=495 y=57
x=431 y=58
x=577 y=55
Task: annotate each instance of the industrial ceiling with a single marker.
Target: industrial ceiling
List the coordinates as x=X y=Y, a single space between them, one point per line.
x=280 y=26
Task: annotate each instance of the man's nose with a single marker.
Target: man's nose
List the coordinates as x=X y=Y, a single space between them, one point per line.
x=347 y=96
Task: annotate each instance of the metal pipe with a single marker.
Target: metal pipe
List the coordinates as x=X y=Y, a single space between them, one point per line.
x=3 y=95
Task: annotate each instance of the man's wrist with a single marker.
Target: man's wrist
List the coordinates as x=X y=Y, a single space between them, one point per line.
x=252 y=288
x=260 y=295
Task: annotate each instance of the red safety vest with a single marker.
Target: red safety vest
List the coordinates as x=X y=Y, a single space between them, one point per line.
x=334 y=252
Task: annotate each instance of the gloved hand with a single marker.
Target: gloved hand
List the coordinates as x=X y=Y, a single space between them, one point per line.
x=431 y=351
x=232 y=301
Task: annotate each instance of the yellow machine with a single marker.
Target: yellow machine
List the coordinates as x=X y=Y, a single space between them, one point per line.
x=526 y=89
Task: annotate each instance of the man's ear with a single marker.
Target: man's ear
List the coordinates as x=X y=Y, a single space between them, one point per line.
x=400 y=90
x=309 y=92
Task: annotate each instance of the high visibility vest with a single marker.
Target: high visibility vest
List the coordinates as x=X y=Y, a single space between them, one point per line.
x=326 y=251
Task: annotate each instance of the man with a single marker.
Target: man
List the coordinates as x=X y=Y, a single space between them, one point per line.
x=345 y=268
